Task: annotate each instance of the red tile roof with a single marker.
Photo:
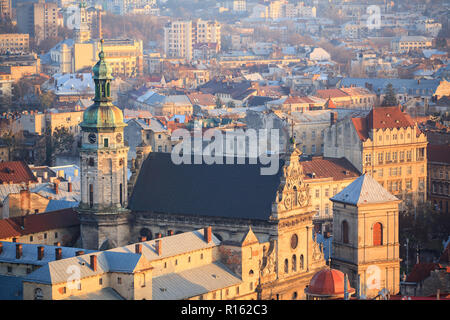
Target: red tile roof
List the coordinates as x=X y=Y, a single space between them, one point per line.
x=296 y=99
x=329 y=168
x=388 y=117
x=331 y=93
x=8 y=229
x=15 y=172
x=421 y=271
x=35 y=223
x=439 y=153
x=202 y=99
x=382 y=118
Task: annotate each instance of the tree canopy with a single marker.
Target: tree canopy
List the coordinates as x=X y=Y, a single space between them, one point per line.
x=390 y=97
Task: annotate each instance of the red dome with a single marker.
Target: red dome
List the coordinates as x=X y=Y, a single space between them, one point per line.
x=328 y=282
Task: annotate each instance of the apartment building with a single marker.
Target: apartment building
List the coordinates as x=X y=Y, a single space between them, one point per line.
x=5 y=8
x=39 y=19
x=14 y=42
x=411 y=43
x=438 y=176
x=388 y=145
x=181 y=36
x=325 y=178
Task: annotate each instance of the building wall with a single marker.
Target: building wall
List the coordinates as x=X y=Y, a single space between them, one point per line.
x=14 y=42
x=403 y=176
x=377 y=266
x=438 y=185
x=341 y=140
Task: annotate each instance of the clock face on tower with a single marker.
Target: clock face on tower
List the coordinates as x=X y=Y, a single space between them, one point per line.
x=92 y=138
x=119 y=138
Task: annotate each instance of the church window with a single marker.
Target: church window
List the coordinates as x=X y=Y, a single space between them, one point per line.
x=294 y=263
x=91 y=195
x=120 y=194
x=286 y=266
x=344 y=231
x=294 y=241
x=301 y=262
x=377 y=234
x=250 y=273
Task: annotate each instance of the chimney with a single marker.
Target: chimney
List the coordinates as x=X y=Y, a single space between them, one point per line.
x=138 y=248
x=170 y=232
x=25 y=200
x=58 y=254
x=94 y=262
x=142 y=238
x=18 y=251
x=208 y=234
x=158 y=247
x=40 y=252
x=69 y=186
x=79 y=253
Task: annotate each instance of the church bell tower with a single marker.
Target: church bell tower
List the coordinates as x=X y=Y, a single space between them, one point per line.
x=103 y=162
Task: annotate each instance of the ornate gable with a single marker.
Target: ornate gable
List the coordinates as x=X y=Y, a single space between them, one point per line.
x=292 y=194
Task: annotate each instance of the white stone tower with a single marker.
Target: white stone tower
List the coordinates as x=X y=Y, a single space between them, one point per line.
x=103 y=162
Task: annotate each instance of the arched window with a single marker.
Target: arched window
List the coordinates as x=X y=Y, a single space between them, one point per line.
x=294 y=203
x=377 y=234
x=294 y=263
x=301 y=262
x=286 y=266
x=250 y=273
x=121 y=194
x=344 y=231
x=38 y=294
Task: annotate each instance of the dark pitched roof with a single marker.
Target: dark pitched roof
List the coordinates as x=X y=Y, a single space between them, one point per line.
x=15 y=172
x=421 y=271
x=231 y=191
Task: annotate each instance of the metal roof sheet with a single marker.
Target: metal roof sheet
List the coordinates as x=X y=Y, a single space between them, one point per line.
x=193 y=282
x=364 y=190
x=172 y=245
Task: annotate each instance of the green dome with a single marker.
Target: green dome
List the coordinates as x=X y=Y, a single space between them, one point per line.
x=103 y=116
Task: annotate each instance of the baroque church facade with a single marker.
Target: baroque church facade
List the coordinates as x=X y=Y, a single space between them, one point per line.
x=166 y=199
